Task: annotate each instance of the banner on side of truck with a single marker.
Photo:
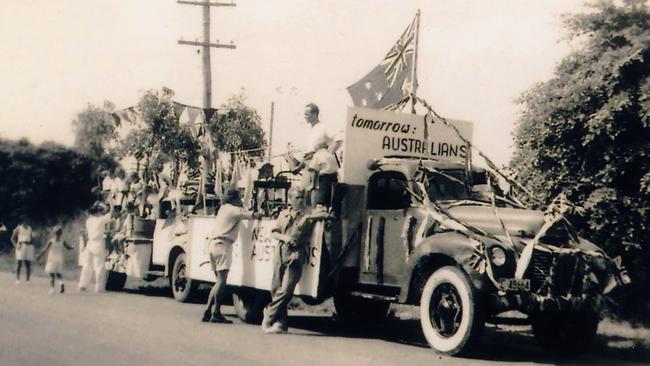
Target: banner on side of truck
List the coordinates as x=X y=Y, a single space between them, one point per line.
x=253 y=255
x=373 y=134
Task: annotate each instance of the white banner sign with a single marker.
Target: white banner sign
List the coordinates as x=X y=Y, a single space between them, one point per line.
x=163 y=238
x=374 y=134
x=253 y=256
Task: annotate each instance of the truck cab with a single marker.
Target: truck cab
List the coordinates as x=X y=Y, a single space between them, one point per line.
x=456 y=255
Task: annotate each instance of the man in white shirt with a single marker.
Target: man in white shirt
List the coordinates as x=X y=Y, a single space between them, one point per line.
x=319 y=133
x=319 y=163
x=95 y=247
x=322 y=165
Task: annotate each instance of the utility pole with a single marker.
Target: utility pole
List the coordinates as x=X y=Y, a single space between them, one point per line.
x=205 y=47
x=271 y=131
x=207 y=73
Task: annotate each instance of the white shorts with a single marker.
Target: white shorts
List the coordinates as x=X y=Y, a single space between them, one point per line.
x=220 y=255
x=25 y=252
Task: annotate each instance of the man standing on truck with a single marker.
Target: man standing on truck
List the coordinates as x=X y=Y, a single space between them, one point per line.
x=293 y=229
x=319 y=164
x=220 y=242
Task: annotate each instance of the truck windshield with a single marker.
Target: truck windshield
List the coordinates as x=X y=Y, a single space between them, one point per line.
x=446 y=185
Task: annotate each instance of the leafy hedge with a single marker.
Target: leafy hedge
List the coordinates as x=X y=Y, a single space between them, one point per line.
x=48 y=183
x=586 y=132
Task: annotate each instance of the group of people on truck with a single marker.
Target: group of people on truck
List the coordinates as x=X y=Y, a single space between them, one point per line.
x=116 y=190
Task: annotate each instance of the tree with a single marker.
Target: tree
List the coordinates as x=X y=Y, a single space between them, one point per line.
x=237 y=127
x=586 y=132
x=159 y=137
x=95 y=129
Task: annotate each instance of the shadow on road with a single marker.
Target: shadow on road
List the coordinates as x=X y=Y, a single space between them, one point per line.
x=160 y=288
x=150 y=291
x=623 y=348
x=497 y=344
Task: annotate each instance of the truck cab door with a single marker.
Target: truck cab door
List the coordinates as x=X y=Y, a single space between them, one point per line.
x=383 y=256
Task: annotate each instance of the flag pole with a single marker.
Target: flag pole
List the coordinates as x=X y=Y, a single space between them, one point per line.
x=415 y=62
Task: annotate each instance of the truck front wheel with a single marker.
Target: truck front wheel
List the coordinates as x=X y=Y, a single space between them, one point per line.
x=183 y=288
x=449 y=312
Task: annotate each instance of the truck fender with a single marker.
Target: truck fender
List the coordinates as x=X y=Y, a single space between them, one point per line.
x=449 y=248
x=173 y=253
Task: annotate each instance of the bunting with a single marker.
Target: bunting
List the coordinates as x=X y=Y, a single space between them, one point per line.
x=129 y=115
x=195 y=117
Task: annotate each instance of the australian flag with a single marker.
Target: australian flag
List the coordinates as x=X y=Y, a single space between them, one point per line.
x=390 y=82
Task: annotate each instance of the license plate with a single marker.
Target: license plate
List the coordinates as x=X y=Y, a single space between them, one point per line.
x=516 y=284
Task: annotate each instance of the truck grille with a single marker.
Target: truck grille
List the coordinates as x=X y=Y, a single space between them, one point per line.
x=539 y=269
x=556 y=274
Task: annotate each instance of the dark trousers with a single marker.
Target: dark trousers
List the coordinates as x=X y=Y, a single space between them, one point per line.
x=322 y=194
x=285 y=278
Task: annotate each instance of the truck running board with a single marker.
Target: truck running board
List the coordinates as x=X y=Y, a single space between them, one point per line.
x=370 y=296
x=156 y=273
x=508 y=321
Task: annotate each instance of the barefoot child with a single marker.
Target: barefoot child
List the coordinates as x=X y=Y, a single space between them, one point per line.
x=54 y=264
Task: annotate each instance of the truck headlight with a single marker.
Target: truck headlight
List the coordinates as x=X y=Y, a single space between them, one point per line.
x=498 y=256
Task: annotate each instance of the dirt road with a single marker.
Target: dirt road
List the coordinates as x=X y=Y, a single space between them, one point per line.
x=143 y=327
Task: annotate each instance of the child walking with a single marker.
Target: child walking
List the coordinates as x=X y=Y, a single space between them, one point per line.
x=54 y=264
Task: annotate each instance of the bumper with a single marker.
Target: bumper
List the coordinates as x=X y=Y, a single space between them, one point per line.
x=529 y=303
x=563 y=280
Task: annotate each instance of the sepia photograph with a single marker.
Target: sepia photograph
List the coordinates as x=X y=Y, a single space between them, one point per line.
x=354 y=182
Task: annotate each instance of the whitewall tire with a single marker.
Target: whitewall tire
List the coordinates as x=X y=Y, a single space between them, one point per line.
x=449 y=311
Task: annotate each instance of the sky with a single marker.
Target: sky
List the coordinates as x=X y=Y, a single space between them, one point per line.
x=475 y=58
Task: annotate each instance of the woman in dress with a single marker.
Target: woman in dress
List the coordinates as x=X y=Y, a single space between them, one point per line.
x=54 y=264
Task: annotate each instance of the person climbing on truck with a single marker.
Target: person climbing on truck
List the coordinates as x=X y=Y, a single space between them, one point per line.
x=223 y=235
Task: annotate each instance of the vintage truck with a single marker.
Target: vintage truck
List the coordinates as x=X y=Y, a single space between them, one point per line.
x=410 y=225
